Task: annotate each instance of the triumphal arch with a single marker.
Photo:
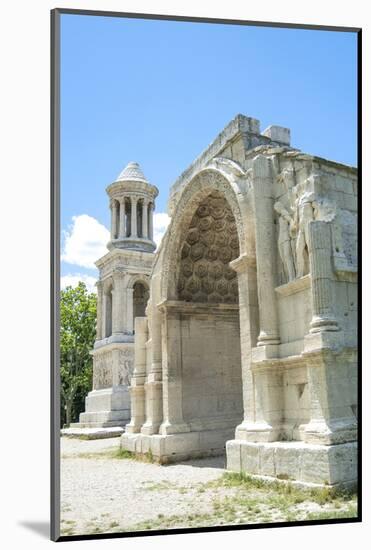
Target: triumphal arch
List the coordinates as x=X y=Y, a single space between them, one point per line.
x=249 y=341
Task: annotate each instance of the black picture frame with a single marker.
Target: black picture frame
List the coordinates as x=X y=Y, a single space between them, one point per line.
x=55 y=266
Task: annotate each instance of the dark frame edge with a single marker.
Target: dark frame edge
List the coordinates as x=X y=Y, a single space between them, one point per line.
x=55 y=273
x=55 y=270
x=195 y=19
x=359 y=209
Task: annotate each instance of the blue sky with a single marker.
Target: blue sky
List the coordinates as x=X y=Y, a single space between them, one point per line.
x=158 y=92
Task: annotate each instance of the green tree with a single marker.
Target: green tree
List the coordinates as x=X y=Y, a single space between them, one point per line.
x=78 y=318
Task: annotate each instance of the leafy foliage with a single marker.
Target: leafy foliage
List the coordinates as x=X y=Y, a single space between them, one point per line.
x=78 y=310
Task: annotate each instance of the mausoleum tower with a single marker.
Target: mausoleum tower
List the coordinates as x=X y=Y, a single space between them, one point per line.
x=132 y=201
x=122 y=295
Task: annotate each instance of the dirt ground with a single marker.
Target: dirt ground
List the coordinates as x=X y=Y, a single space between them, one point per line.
x=103 y=491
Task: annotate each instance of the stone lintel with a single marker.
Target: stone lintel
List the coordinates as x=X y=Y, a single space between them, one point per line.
x=193 y=307
x=142 y=256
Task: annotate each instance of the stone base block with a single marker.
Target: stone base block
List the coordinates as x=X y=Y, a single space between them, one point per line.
x=104 y=408
x=330 y=465
x=92 y=433
x=176 y=447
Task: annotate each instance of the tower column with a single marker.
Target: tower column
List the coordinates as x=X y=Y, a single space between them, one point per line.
x=122 y=218
x=99 y=310
x=118 y=303
x=113 y=206
x=134 y=231
x=145 y=219
x=129 y=310
x=150 y=222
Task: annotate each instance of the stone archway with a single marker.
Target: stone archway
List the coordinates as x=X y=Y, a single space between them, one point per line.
x=188 y=388
x=140 y=298
x=208 y=311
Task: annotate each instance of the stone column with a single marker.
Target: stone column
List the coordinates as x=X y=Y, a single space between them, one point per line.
x=330 y=374
x=266 y=243
x=122 y=219
x=262 y=397
x=150 y=222
x=113 y=219
x=249 y=329
x=134 y=231
x=137 y=392
x=320 y=258
x=118 y=303
x=129 y=310
x=153 y=385
x=145 y=220
x=107 y=312
x=173 y=421
x=99 y=310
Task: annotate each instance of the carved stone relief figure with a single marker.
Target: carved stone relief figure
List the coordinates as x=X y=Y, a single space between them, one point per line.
x=102 y=372
x=126 y=366
x=304 y=214
x=286 y=240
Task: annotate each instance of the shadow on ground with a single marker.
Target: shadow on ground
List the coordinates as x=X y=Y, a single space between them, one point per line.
x=42 y=528
x=210 y=462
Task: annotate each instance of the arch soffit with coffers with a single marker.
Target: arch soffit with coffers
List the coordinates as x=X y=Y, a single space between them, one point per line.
x=206 y=181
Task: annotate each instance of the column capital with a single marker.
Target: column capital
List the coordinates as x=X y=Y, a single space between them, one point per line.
x=241 y=263
x=118 y=275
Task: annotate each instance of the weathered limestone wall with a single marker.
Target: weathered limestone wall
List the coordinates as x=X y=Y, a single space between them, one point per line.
x=212 y=394
x=286 y=260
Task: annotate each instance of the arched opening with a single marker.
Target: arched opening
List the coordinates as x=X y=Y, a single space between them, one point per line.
x=207 y=294
x=140 y=299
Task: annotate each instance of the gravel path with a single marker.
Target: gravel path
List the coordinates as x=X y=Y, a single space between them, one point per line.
x=100 y=494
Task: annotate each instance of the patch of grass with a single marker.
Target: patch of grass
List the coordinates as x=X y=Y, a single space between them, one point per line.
x=350 y=512
x=67 y=532
x=122 y=453
x=114 y=454
x=160 y=486
x=69 y=521
x=113 y=524
x=283 y=476
x=295 y=494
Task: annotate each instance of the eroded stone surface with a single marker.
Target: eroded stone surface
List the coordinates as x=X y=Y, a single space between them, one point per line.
x=249 y=338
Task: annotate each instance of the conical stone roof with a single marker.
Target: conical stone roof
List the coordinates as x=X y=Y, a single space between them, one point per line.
x=132 y=172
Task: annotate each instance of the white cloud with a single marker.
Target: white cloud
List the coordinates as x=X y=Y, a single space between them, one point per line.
x=160 y=222
x=85 y=241
x=73 y=280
